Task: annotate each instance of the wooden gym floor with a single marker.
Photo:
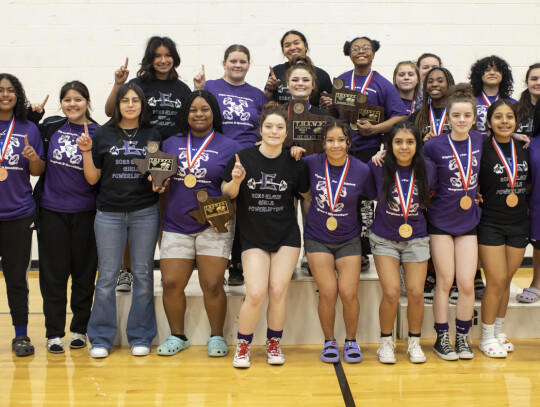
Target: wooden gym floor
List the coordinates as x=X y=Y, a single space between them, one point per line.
x=191 y=378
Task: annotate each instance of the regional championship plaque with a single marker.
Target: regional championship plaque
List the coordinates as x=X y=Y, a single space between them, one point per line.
x=217 y=210
x=304 y=128
x=160 y=165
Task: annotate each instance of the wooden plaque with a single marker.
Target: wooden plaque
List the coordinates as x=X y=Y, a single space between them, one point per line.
x=217 y=210
x=160 y=165
x=304 y=128
x=352 y=105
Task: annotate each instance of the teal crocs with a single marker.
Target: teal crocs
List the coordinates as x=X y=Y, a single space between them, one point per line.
x=217 y=346
x=172 y=346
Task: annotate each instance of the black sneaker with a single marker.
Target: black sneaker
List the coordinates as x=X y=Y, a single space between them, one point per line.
x=463 y=349
x=236 y=275
x=443 y=347
x=124 y=281
x=365 y=263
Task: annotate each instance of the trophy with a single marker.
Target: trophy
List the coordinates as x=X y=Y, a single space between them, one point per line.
x=217 y=210
x=160 y=165
x=304 y=128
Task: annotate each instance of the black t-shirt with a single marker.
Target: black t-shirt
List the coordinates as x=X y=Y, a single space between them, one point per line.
x=164 y=100
x=266 y=214
x=282 y=95
x=495 y=186
x=123 y=187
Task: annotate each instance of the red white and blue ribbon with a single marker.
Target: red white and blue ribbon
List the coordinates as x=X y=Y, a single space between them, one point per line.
x=192 y=160
x=464 y=175
x=512 y=172
x=437 y=129
x=412 y=107
x=4 y=144
x=366 y=81
x=333 y=198
x=405 y=200
x=486 y=98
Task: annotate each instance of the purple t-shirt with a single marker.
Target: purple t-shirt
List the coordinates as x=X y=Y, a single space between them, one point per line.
x=358 y=182
x=380 y=92
x=534 y=174
x=481 y=112
x=410 y=106
x=65 y=188
x=446 y=213
x=240 y=107
x=207 y=169
x=389 y=216
x=16 y=190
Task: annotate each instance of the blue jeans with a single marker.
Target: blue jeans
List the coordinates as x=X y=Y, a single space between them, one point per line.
x=113 y=229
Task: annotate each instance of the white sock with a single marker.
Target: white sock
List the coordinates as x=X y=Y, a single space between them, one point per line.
x=488 y=331
x=498 y=325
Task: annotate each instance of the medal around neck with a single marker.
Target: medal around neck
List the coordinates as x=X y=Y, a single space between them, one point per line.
x=405 y=200
x=217 y=210
x=160 y=165
x=405 y=230
x=512 y=200
x=3 y=174
x=331 y=223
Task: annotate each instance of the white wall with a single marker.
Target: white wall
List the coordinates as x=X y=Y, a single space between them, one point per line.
x=46 y=43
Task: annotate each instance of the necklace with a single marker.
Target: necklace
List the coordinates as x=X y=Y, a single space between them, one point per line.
x=130 y=136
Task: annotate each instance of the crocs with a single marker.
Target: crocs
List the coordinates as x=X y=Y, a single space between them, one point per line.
x=351 y=352
x=492 y=348
x=21 y=346
x=172 y=346
x=217 y=346
x=330 y=352
x=505 y=343
x=529 y=295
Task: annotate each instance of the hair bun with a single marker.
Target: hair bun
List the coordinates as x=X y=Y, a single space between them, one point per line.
x=461 y=90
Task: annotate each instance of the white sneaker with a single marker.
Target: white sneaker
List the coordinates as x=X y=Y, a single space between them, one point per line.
x=416 y=355
x=241 y=357
x=273 y=352
x=140 y=350
x=55 y=345
x=98 y=353
x=386 y=351
x=505 y=343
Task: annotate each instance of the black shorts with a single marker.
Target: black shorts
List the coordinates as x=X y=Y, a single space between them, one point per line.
x=490 y=234
x=292 y=239
x=432 y=230
x=535 y=243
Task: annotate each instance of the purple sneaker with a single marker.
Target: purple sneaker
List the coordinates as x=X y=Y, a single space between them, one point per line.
x=330 y=352
x=351 y=352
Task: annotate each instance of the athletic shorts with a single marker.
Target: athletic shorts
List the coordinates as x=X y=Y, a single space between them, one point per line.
x=410 y=251
x=490 y=234
x=351 y=247
x=432 y=230
x=205 y=243
x=535 y=243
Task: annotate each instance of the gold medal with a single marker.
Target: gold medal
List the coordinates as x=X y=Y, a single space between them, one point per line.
x=190 y=181
x=512 y=200
x=465 y=203
x=3 y=174
x=405 y=231
x=331 y=223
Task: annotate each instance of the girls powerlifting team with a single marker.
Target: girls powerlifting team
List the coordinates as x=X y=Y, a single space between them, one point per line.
x=454 y=178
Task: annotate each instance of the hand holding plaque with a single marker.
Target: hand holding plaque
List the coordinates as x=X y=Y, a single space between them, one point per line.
x=160 y=165
x=216 y=211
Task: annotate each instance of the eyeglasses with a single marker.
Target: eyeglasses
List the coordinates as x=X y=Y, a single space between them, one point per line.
x=127 y=101
x=364 y=47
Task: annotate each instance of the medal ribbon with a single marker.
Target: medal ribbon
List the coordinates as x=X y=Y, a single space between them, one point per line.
x=405 y=200
x=191 y=161
x=334 y=198
x=465 y=177
x=486 y=98
x=366 y=81
x=412 y=107
x=4 y=144
x=512 y=172
x=437 y=129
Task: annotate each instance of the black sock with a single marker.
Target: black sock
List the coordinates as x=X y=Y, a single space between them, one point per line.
x=183 y=337
x=386 y=335
x=414 y=335
x=350 y=340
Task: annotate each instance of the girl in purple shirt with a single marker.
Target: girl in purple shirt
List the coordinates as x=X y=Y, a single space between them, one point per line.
x=21 y=155
x=453 y=219
x=406 y=80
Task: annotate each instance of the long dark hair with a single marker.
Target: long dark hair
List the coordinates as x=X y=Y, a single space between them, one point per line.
x=422 y=119
x=115 y=119
x=336 y=123
x=81 y=88
x=294 y=32
x=524 y=104
x=147 y=72
x=182 y=121
x=418 y=165
x=494 y=106
x=506 y=87
x=20 y=111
